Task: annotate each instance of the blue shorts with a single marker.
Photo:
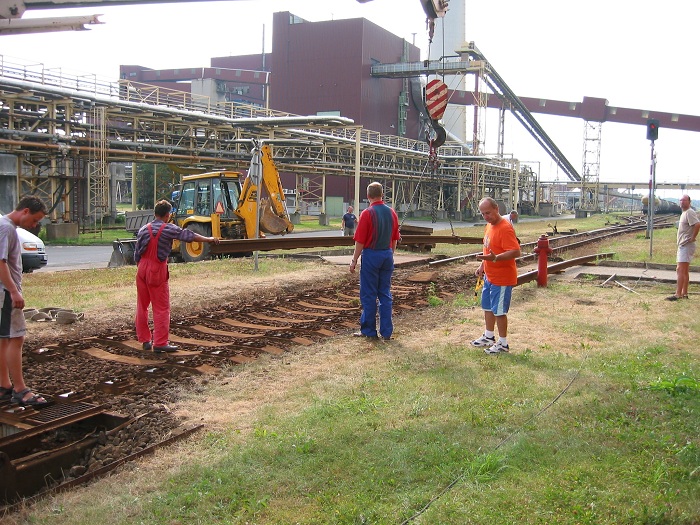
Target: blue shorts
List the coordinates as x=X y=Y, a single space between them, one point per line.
x=496 y=299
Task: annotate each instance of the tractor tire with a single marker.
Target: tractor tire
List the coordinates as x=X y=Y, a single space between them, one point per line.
x=196 y=251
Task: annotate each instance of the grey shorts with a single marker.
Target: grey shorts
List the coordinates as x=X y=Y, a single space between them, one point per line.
x=685 y=253
x=12 y=323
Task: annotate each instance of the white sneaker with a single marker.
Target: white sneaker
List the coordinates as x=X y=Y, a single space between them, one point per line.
x=483 y=341
x=497 y=348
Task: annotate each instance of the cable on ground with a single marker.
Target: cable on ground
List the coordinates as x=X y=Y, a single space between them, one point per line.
x=502 y=442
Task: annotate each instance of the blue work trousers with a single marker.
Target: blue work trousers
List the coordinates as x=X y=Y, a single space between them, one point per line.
x=375 y=285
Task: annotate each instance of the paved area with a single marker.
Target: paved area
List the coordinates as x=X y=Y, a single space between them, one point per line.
x=606 y=269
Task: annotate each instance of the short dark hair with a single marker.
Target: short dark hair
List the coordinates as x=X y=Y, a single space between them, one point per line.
x=32 y=203
x=162 y=208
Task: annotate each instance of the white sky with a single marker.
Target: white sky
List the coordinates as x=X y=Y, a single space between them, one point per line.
x=636 y=54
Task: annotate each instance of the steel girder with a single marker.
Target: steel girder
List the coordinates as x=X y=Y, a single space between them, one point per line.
x=52 y=130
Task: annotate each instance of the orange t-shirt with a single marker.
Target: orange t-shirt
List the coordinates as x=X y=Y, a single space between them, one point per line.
x=500 y=238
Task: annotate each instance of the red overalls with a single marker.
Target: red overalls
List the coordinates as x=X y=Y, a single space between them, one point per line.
x=152 y=288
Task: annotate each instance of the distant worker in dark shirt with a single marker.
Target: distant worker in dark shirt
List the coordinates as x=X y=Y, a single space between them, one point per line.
x=154 y=242
x=349 y=223
x=376 y=237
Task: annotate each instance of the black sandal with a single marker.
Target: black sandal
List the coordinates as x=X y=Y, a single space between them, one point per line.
x=34 y=401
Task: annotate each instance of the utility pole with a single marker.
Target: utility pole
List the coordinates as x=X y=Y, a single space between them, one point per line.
x=652 y=135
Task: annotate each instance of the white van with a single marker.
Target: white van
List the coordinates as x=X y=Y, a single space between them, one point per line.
x=33 y=251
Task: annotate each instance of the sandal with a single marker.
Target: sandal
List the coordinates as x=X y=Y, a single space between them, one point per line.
x=34 y=400
x=5 y=393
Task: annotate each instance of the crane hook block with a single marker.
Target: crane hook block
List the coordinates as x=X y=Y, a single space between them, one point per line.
x=437 y=136
x=435 y=8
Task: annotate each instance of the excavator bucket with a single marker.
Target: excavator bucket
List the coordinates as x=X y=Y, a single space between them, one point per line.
x=122 y=254
x=269 y=221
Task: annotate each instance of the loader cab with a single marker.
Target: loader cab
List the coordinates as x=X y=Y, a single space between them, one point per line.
x=203 y=195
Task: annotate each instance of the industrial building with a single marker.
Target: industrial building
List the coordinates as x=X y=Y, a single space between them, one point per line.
x=305 y=75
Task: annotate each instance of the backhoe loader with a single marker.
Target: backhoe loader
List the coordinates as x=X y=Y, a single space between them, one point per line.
x=217 y=204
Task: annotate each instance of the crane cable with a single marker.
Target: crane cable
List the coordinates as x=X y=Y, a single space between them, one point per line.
x=435 y=136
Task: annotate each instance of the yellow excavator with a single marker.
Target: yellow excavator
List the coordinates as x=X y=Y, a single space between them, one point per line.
x=217 y=204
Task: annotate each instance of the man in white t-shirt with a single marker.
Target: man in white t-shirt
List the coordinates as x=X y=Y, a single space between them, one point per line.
x=13 y=328
x=688 y=227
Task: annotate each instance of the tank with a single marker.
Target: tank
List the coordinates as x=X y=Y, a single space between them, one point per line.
x=661 y=206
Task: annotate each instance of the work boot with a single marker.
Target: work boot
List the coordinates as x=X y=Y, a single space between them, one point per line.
x=165 y=349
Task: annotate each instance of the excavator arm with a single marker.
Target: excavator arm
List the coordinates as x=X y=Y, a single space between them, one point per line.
x=264 y=177
x=273 y=185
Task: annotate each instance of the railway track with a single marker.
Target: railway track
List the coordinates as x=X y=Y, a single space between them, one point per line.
x=109 y=397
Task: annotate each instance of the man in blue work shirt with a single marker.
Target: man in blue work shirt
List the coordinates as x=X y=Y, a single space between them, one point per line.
x=348 y=223
x=375 y=238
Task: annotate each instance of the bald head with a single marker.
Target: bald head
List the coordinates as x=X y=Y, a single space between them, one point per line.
x=489 y=210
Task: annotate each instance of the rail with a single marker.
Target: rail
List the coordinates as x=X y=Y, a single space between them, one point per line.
x=557 y=267
x=292 y=243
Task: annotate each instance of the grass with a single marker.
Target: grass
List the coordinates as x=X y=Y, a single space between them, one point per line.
x=593 y=418
x=380 y=444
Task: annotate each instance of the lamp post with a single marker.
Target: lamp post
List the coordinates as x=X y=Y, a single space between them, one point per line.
x=255 y=177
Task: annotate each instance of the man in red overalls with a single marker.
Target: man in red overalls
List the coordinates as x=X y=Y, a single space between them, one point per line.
x=153 y=244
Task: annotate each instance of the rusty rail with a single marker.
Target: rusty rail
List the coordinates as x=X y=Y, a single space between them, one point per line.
x=585 y=238
x=557 y=267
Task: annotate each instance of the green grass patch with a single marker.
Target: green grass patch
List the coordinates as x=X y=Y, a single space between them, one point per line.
x=381 y=449
x=90 y=238
x=681 y=384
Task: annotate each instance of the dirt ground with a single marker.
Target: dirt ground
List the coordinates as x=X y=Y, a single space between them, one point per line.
x=186 y=299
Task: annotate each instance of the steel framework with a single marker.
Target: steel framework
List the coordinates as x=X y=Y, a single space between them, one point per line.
x=64 y=130
x=591 y=165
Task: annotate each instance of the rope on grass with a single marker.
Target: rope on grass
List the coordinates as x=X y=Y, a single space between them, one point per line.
x=503 y=441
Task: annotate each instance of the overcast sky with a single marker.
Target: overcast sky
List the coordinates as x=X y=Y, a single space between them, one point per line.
x=636 y=54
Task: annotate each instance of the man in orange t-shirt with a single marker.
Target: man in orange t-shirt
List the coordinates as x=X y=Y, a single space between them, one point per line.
x=501 y=248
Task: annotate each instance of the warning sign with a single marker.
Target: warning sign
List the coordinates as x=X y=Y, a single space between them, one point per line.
x=436 y=98
x=219 y=208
